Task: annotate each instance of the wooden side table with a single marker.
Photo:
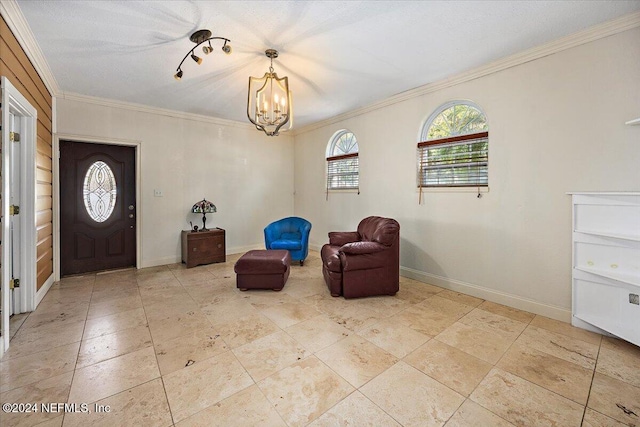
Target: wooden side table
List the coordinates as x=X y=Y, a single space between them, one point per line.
x=203 y=247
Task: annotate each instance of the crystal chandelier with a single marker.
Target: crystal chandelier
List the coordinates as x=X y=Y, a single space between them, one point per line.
x=269 y=100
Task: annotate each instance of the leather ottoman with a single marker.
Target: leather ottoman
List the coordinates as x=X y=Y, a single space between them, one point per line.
x=263 y=269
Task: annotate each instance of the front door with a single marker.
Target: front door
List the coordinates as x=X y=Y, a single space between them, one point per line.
x=97 y=207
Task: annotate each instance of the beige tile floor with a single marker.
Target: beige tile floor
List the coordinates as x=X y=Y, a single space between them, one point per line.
x=169 y=346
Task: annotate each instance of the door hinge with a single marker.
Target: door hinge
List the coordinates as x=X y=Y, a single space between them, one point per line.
x=14 y=210
x=14 y=137
x=14 y=283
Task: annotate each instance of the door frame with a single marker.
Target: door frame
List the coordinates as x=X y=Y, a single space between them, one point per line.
x=56 y=190
x=16 y=102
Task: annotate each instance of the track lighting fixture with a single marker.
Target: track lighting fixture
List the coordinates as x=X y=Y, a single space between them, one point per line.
x=200 y=37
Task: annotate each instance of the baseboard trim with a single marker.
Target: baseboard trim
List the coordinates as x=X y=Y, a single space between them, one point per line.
x=243 y=249
x=178 y=259
x=43 y=290
x=160 y=261
x=492 y=295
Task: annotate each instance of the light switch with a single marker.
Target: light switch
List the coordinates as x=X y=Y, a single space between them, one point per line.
x=157 y=193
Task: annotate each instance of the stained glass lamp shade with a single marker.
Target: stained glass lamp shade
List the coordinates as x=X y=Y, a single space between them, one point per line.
x=204 y=207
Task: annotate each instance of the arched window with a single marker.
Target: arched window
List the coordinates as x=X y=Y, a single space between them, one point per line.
x=454 y=151
x=342 y=161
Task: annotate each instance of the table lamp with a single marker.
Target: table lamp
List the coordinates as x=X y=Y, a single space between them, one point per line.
x=204 y=207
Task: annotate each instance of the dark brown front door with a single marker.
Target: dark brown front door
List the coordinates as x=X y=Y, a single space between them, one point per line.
x=97 y=207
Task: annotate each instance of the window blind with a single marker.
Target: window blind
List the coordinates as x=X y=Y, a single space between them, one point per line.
x=460 y=161
x=342 y=172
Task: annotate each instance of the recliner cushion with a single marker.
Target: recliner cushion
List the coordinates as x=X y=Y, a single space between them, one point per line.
x=360 y=248
x=290 y=245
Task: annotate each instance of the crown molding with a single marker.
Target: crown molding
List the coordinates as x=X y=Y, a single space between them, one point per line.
x=609 y=28
x=16 y=21
x=20 y=28
x=105 y=102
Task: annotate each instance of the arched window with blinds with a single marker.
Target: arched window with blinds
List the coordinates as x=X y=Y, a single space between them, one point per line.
x=454 y=151
x=342 y=162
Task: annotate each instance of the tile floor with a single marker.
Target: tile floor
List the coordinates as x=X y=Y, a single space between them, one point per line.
x=169 y=346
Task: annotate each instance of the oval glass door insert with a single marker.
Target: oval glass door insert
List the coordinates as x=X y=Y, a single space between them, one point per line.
x=99 y=191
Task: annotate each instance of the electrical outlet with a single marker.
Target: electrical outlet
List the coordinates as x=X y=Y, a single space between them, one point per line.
x=634 y=299
x=157 y=193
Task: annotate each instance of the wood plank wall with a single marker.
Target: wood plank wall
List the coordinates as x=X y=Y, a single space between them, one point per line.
x=15 y=65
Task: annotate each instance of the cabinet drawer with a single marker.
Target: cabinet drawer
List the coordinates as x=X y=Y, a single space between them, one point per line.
x=217 y=244
x=207 y=246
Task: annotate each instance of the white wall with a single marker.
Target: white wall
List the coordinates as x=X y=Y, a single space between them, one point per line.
x=556 y=124
x=247 y=175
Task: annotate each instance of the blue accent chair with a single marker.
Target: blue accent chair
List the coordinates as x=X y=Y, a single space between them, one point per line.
x=290 y=233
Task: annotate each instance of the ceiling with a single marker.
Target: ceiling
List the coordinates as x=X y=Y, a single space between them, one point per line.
x=338 y=55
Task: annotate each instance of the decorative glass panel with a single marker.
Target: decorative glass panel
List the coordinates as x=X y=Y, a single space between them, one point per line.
x=459 y=119
x=345 y=143
x=99 y=191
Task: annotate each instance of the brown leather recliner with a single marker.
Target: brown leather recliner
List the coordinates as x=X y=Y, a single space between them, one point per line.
x=365 y=262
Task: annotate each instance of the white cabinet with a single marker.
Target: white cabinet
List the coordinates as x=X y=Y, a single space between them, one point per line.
x=606 y=263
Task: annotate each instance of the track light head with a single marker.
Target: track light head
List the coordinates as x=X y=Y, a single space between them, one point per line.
x=201 y=38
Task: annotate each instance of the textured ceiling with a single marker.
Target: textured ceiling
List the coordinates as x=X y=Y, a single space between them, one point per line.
x=338 y=55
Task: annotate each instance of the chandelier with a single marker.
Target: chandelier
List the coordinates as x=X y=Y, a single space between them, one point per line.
x=269 y=100
x=200 y=37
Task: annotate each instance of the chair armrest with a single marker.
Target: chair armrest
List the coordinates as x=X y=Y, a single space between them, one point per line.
x=360 y=248
x=305 y=230
x=271 y=233
x=339 y=238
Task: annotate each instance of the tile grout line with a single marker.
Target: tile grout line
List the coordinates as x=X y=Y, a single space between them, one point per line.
x=19 y=327
x=73 y=376
x=122 y=391
x=550 y=355
x=230 y=350
x=153 y=346
x=495 y=367
x=593 y=375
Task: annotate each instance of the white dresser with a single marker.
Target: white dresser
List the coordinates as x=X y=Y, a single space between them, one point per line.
x=606 y=263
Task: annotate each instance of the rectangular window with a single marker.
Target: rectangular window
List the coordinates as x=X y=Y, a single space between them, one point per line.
x=342 y=172
x=459 y=161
